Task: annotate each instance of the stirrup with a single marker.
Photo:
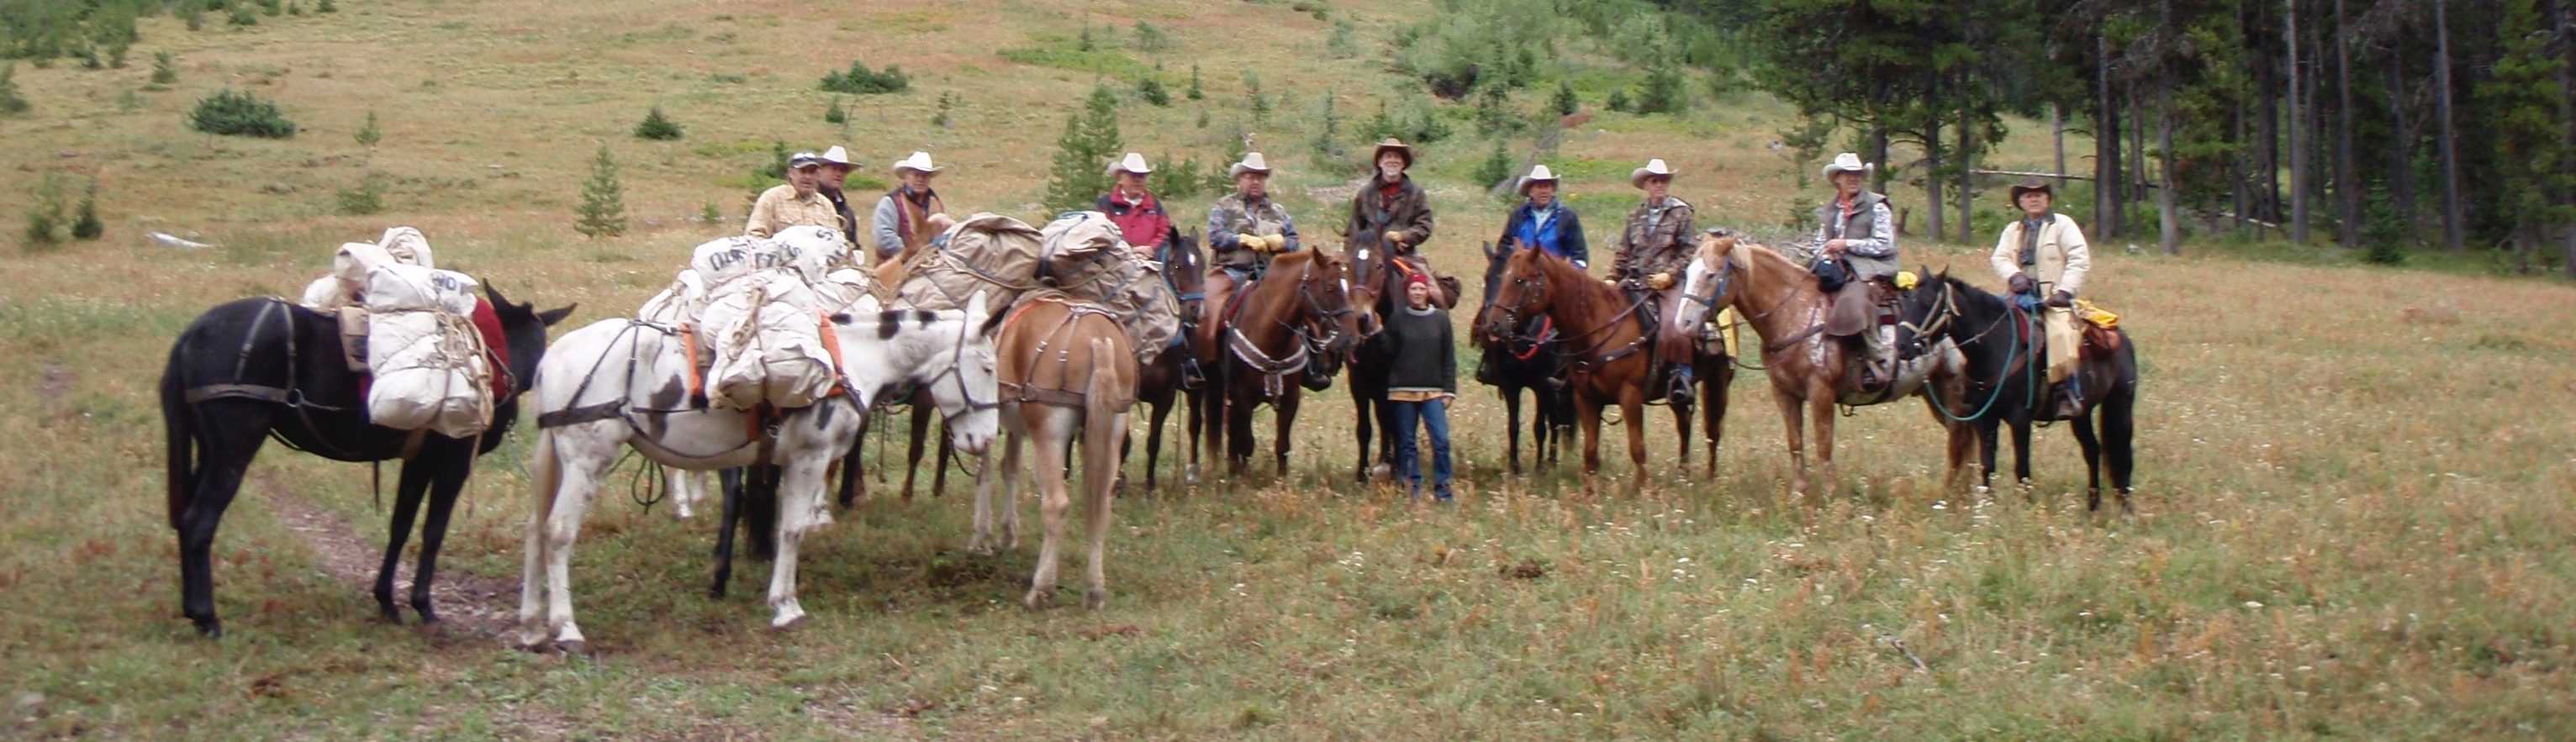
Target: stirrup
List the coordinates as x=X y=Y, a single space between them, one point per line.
x=1680 y=391
x=1191 y=377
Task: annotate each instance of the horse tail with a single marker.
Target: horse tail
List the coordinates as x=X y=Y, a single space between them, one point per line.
x=178 y=419
x=1103 y=400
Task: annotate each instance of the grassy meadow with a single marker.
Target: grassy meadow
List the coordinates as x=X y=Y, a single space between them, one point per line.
x=2353 y=515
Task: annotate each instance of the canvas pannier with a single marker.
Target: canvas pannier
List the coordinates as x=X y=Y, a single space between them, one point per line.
x=430 y=367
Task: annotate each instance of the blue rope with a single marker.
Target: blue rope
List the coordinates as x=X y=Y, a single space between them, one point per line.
x=2011 y=349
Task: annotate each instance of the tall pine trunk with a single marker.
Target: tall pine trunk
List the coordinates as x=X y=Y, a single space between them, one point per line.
x=2106 y=143
x=1967 y=177
x=2298 y=127
x=2057 y=144
x=2567 y=137
x=2237 y=198
x=1932 y=174
x=2401 y=167
x=2346 y=185
x=2168 y=208
x=2267 y=144
x=1878 y=158
x=2448 y=144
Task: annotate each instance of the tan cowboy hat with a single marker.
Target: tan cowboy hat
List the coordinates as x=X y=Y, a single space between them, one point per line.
x=837 y=156
x=1252 y=163
x=1654 y=168
x=1391 y=143
x=2032 y=183
x=1134 y=163
x=1847 y=161
x=1536 y=175
x=918 y=161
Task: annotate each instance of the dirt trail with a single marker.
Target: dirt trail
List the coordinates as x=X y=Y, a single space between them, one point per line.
x=471 y=603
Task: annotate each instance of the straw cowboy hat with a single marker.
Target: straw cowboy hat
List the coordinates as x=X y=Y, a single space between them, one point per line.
x=1845 y=162
x=1654 y=168
x=1133 y=163
x=1536 y=176
x=837 y=156
x=918 y=161
x=1252 y=163
x=2032 y=183
x=1391 y=143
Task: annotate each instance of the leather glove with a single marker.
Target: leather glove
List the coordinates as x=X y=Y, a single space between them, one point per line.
x=1251 y=241
x=2061 y=299
x=1275 y=243
x=1659 y=281
x=1394 y=237
x=2020 y=283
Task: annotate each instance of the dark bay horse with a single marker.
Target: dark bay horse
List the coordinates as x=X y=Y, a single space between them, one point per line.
x=1287 y=332
x=1160 y=384
x=1811 y=372
x=1377 y=285
x=2007 y=381
x=1528 y=359
x=1604 y=345
x=258 y=368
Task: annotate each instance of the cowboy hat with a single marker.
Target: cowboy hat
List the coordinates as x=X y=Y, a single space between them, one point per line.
x=802 y=160
x=1845 y=162
x=1536 y=175
x=918 y=161
x=836 y=156
x=1654 y=168
x=1391 y=143
x=2032 y=183
x=1252 y=163
x=1134 y=163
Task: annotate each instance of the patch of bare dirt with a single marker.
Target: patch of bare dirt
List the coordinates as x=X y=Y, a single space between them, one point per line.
x=473 y=604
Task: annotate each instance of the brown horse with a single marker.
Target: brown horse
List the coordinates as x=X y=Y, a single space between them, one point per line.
x=1163 y=384
x=1067 y=372
x=1604 y=344
x=1810 y=371
x=1377 y=285
x=1287 y=331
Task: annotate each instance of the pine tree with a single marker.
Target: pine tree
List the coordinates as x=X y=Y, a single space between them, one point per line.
x=1566 y=103
x=10 y=100
x=1195 y=93
x=1090 y=141
x=165 y=68
x=836 y=114
x=603 y=201
x=86 y=226
x=657 y=126
x=369 y=135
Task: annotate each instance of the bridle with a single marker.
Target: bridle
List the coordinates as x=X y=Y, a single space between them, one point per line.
x=956 y=361
x=1513 y=315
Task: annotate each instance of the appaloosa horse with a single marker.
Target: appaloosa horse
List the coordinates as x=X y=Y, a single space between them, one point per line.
x=1529 y=358
x=265 y=367
x=1810 y=371
x=1068 y=374
x=1286 y=332
x=2008 y=380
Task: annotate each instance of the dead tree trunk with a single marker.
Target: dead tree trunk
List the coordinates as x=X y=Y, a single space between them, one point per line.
x=2168 y=207
x=2347 y=189
x=2448 y=145
x=2298 y=127
x=2106 y=143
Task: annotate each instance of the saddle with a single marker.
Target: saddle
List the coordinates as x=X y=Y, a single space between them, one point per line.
x=1849 y=311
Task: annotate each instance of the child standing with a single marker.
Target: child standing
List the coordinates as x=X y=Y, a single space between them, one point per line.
x=1421 y=381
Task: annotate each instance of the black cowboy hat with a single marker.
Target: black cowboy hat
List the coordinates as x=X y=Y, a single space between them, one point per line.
x=2032 y=183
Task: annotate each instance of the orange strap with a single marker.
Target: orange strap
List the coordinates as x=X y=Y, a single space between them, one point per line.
x=697 y=382
x=832 y=346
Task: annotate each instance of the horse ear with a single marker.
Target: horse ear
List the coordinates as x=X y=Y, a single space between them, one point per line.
x=551 y=317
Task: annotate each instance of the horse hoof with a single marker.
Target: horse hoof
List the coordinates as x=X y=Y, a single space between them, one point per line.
x=1093 y=599
x=1039 y=599
x=572 y=648
x=210 y=628
x=428 y=616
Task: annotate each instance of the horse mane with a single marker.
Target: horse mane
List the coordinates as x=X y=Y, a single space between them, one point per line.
x=1573 y=284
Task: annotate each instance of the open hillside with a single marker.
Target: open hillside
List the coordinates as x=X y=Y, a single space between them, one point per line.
x=2352 y=518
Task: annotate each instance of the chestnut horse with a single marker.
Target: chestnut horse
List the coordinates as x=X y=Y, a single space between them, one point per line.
x=1067 y=373
x=1287 y=331
x=1604 y=344
x=1810 y=371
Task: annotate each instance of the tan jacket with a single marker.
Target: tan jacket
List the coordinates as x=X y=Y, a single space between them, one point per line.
x=779 y=208
x=2061 y=261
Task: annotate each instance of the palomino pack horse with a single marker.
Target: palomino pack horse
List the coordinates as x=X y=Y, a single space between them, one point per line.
x=1810 y=371
x=1377 y=287
x=1529 y=358
x=256 y=368
x=1286 y=332
x=625 y=383
x=1162 y=384
x=1067 y=374
x=2008 y=380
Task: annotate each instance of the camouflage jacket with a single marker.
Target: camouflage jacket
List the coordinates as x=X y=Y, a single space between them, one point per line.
x=1230 y=219
x=1657 y=240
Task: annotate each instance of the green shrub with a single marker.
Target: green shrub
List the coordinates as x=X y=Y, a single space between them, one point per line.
x=45 y=216
x=1496 y=167
x=1151 y=89
x=85 y=224
x=708 y=214
x=367 y=198
x=603 y=202
x=243 y=16
x=240 y=114
x=10 y=101
x=1662 y=92
x=657 y=127
x=947 y=101
x=326 y=6
x=1344 y=43
x=367 y=136
x=1195 y=93
x=859 y=80
x=1090 y=141
x=1566 y=103
x=836 y=114
x=165 y=68
x=1151 y=38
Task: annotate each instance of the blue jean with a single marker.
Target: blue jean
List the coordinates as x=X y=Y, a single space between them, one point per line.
x=1408 y=461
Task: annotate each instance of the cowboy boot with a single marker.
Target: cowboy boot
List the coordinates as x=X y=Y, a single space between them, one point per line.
x=1680 y=393
x=2070 y=398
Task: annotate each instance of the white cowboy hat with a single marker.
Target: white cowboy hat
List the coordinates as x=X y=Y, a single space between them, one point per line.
x=1536 y=175
x=837 y=156
x=1252 y=163
x=918 y=161
x=1654 y=167
x=1134 y=163
x=1845 y=161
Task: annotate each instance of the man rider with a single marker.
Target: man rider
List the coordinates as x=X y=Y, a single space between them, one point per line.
x=1245 y=228
x=1856 y=232
x=1653 y=251
x=2043 y=254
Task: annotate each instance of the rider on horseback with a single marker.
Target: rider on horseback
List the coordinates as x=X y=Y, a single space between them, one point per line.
x=2043 y=254
x=1856 y=250
x=1246 y=228
x=1134 y=208
x=1391 y=210
x=1653 y=253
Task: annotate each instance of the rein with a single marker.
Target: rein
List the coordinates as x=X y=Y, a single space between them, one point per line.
x=1274 y=371
x=1948 y=310
x=1512 y=320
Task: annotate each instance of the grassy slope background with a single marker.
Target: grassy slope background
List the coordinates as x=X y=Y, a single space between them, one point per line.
x=2353 y=514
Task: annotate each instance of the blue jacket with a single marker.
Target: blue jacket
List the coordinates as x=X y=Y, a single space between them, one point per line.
x=1562 y=236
